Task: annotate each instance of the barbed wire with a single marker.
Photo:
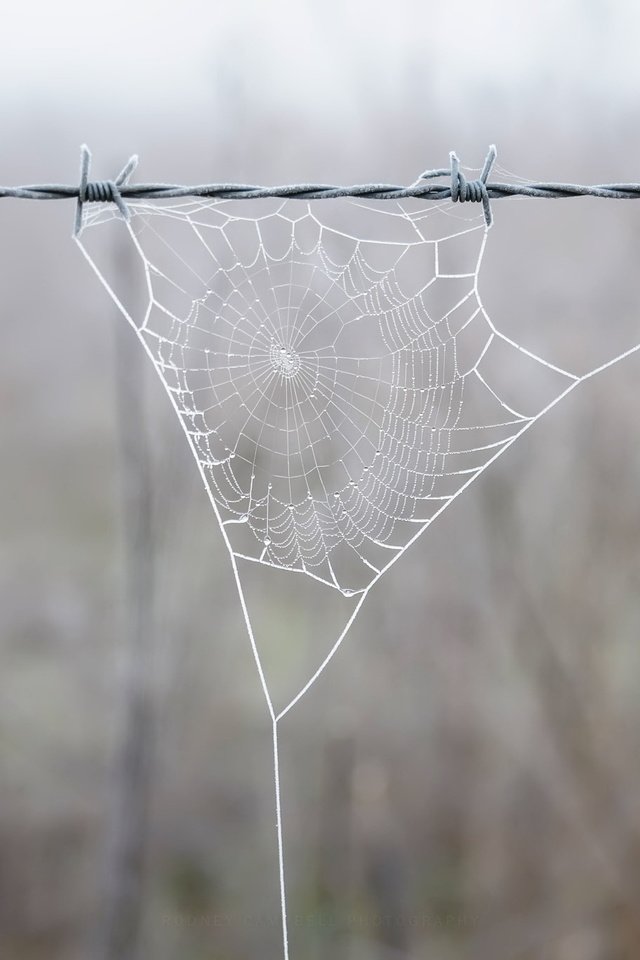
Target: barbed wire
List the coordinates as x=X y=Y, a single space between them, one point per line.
x=459 y=189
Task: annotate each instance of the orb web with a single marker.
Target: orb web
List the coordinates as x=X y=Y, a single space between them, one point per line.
x=336 y=375
x=332 y=383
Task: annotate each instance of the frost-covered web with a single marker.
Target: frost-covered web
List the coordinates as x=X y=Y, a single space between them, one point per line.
x=336 y=375
x=335 y=388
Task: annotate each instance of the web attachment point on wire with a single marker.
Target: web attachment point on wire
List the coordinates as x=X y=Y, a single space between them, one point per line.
x=463 y=189
x=100 y=191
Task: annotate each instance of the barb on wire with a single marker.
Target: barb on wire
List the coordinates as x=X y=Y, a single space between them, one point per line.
x=459 y=189
x=462 y=189
x=101 y=191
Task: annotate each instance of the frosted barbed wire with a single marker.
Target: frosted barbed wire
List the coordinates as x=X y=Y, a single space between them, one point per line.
x=120 y=190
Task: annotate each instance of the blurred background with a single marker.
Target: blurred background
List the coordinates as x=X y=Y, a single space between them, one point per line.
x=463 y=781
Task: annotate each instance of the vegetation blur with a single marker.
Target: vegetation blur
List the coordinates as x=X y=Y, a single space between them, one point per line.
x=463 y=780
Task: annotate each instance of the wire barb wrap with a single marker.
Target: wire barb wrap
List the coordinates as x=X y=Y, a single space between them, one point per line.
x=463 y=190
x=100 y=191
x=473 y=190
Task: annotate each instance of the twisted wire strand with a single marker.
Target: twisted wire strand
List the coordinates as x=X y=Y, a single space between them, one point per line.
x=459 y=189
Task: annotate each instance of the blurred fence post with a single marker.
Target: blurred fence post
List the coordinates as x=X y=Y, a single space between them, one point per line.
x=122 y=905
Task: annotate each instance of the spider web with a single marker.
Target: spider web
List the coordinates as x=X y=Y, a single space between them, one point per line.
x=336 y=375
x=336 y=390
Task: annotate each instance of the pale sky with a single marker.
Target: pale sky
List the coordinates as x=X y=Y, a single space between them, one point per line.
x=317 y=89
x=295 y=49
